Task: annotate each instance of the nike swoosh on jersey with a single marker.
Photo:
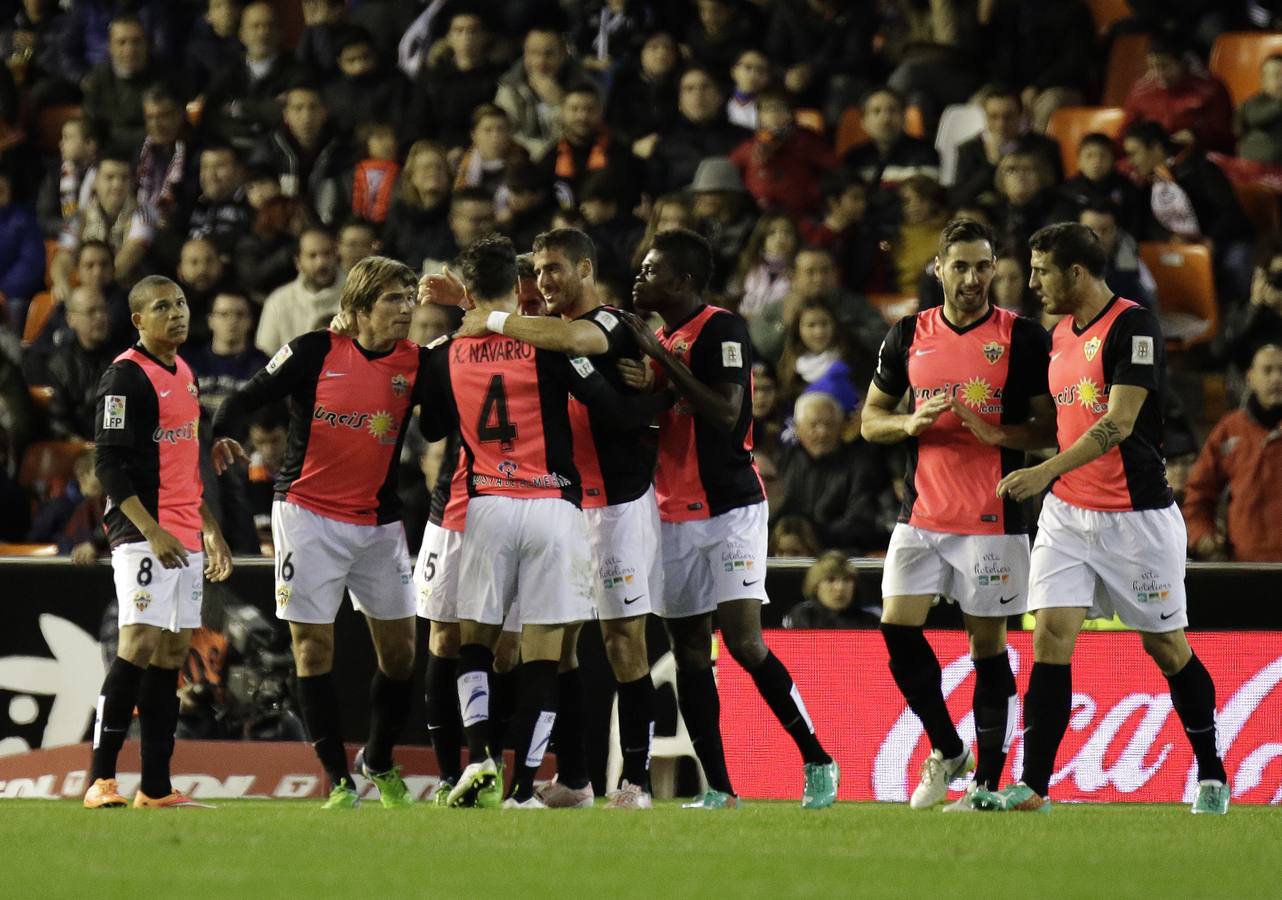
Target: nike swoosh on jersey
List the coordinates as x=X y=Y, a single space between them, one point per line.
x=750 y=583
x=1004 y=600
x=924 y=352
x=627 y=602
x=1165 y=616
x=329 y=374
x=165 y=393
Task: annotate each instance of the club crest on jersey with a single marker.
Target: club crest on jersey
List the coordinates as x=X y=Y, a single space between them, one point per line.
x=282 y=596
x=507 y=468
x=142 y=600
x=400 y=384
x=191 y=389
x=680 y=347
x=993 y=351
x=1091 y=348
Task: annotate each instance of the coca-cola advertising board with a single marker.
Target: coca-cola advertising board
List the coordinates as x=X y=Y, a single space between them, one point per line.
x=1124 y=740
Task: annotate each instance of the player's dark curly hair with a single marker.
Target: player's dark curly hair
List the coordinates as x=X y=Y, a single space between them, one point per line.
x=962 y=231
x=488 y=268
x=1071 y=244
x=689 y=253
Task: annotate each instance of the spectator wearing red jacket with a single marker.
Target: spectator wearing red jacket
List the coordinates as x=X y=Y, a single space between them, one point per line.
x=782 y=165
x=1243 y=455
x=1190 y=105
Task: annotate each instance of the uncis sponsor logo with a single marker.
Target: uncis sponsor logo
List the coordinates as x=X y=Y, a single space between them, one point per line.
x=174 y=435
x=974 y=392
x=353 y=420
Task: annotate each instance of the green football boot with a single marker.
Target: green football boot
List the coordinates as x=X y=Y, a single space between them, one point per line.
x=822 y=780
x=392 y=791
x=1016 y=798
x=711 y=799
x=343 y=796
x=1212 y=798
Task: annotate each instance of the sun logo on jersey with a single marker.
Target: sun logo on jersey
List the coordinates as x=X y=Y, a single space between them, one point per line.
x=976 y=392
x=1091 y=348
x=1090 y=395
x=993 y=351
x=400 y=384
x=383 y=426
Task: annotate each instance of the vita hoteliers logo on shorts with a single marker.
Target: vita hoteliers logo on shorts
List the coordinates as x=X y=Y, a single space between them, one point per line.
x=1150 y=589
x=990 y=570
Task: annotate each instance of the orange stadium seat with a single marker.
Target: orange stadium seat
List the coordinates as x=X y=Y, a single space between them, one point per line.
x=1108 y=13
x=1070 y=124
x=41 y=395
x=914 y=123
x=850 y=129
x=38 y=313
x=1186 y=298
x=47 y=466
x=812 y=119
x=48 y=126
x=28 y=549
x=1126 y=65
x=51 y=250
x=1236 y=58
x=1260 y=203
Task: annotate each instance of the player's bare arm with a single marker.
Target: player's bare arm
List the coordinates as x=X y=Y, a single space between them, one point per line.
x=164 y=546
x=575 y=338
x=1038 y=433
x=1115 y=426
x=719 y=404
x=881 y=424
x=217 y=553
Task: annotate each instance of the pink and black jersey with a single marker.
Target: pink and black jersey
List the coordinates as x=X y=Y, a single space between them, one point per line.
x=703 y=471
x=449 y=496
x=348 y=408
x=509 y=403
x=616 y=464
x=147 y=445
x=995 y=366
x=1122 y=345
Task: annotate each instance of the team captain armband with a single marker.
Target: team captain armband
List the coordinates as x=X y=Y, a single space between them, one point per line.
x=732 y=354
x=1142 y=350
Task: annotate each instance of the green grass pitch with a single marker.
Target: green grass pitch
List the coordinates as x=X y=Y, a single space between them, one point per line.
x=290 y=849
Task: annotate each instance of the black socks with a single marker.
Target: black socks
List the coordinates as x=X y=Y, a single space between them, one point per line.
x=571 y=755
x=636 y=729
x=915 y=668
x=533 y=723
x=781 y=695
x=320 y=713
x=444 y=726
x=115 y=711
x=995 y=694
x=1046 y=713
x=389 y=703
x=701 y=709
x=157 y=720
x=1193 y=696
x=474 y=664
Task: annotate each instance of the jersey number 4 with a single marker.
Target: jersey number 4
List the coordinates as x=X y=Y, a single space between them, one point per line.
x=494 y=426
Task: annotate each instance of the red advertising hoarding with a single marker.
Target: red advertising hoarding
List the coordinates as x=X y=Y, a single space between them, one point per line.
x=1124 y=740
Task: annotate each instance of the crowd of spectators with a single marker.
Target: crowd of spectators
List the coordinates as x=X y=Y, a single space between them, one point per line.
x=254 y=151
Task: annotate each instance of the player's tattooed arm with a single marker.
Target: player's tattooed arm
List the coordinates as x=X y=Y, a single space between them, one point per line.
x=1115 y=426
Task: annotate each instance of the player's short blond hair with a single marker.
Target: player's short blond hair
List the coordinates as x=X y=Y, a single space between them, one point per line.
x=370 y=278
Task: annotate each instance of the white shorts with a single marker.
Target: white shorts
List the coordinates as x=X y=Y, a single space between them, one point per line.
x=150 y=594
x=536 y=549
x=707 y=562
x=436 y=577
x=317 y=556
x=984 y=574
x=625 y=545
x=1129 y=563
